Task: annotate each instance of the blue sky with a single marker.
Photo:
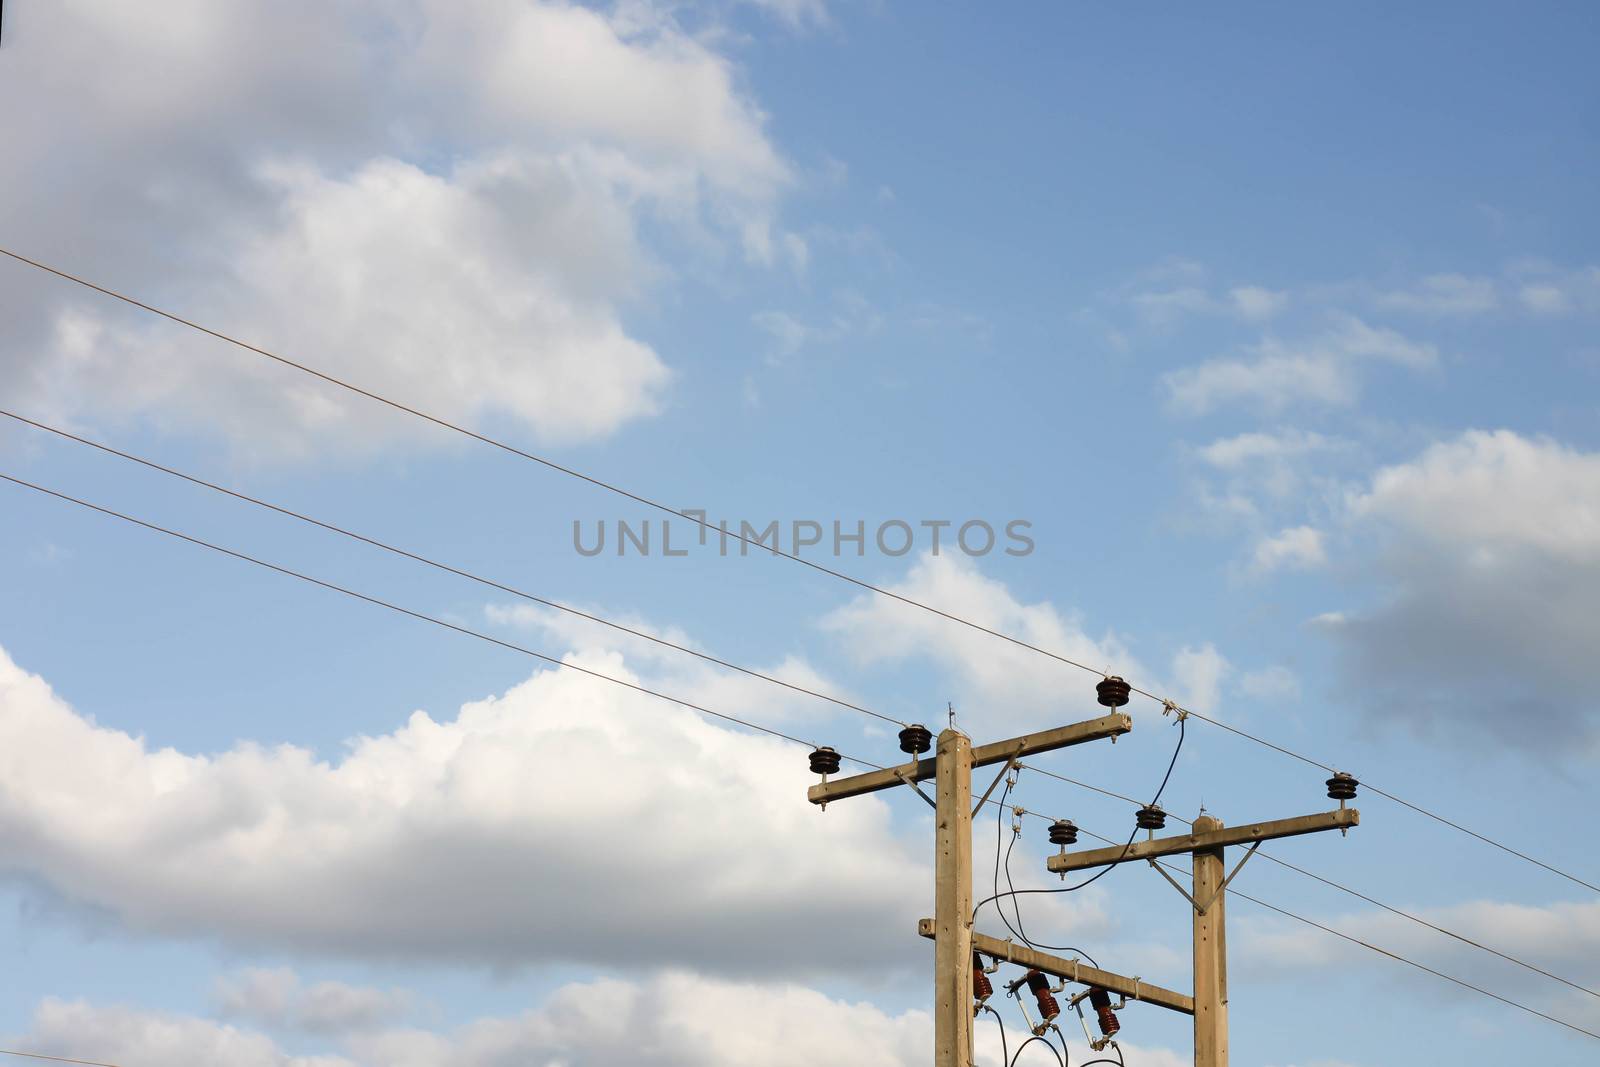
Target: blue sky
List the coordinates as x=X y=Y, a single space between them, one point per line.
x=1277 y=327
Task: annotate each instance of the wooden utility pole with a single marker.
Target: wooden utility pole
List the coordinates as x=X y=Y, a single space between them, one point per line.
x=952 y=903
x=1210 y=955
x=951 y=927
x=1206 y=843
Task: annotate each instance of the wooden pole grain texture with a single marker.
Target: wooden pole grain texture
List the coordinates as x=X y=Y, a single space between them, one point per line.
x=1210 y=953
x=952 y=903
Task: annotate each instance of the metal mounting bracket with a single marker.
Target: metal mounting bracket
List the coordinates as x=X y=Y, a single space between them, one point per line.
x=1010 y=764
x=905 y=776
x=1201 y=909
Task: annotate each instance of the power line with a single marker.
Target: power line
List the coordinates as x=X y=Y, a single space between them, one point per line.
x=773 y=549
x=1375 y=948
x=1413 y=963
x=447 y=568
x=54 y=1059
x=1401 y=912
x=1435 y=816
x=671 y=699
x=559 y=663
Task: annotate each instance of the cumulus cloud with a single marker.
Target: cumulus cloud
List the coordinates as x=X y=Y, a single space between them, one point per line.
x=1010 y=687
x=1297 y=548
x=667 y=1020
x=442 y=200
x=1487 y=548
x=675 y=672
x=525 y=829
x=276 y=997
x=1325 y=370
x=1198 y=673
x=1563 y=937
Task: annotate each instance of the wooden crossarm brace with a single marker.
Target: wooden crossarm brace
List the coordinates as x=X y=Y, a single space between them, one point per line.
x=1073 y=971
x=1112 y=725
x=1228 y=835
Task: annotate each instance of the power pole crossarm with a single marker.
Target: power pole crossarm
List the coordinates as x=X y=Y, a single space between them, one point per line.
x=982 y=756
x=951 y=926
x=1204 y=840
x=1073 y=971
x=1207 y=840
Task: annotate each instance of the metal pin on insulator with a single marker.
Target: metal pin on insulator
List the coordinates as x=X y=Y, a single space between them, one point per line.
x=916 y=739
x=1150 y=817
x=1113 y=691
x=982 y=988
x=1063 y=832
x=1039 y=985
x=824 y=760
x=1100 y=1000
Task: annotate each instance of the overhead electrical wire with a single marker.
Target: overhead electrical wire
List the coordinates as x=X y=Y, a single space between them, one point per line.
x=1232 y=892
x=491 y=583
x=1401 y=912
x=55 y=1059
x=445 y=567
x=560 y=664
x=1014 y=892
x=511 y=449
x=420 y=616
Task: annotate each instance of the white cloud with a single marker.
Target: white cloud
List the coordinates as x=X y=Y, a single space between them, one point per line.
x=1256 y=303
x=1488 y=550
x=1544 y=289
x=276 y=997
x=524 y=829
x=1232 y=453
x=122 y=1035
x=1264 y=469
x=1561 y=937
x=1199 y=673
x=1445 y=294
x=1325 y=370
x=675 y=672
x=995 y=683
x=665 y=1020
x=1544 y=299
x=441 y=200
x=1297 y=548
x=1270 y=683
x=796 y=13
x=1164 y=305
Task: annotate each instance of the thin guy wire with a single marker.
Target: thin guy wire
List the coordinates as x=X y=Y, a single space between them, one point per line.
x=54 y=1059
x=723 y=532
x=562 y=664
x=1419 y=920
x=447 y=568
x=1232 y=892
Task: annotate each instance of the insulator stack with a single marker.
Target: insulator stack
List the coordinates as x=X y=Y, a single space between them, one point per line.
x=1100 y=1000
x=982 y=988
x=1113 y=691
x=1150 y=817
x=824 y=760
x=1342 y=786
x=916 y=739
x=1063 y=832
x=1040 y=987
